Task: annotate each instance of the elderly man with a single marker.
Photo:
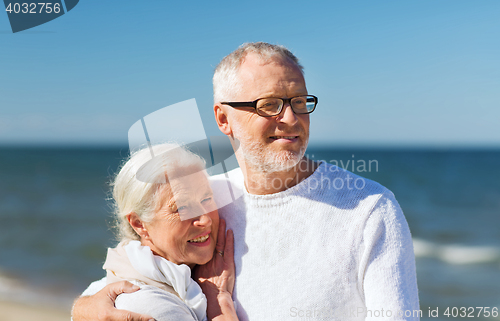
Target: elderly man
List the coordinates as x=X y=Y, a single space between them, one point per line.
x=311 y=240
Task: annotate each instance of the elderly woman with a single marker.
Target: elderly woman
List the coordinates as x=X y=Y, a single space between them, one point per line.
x=168 y=223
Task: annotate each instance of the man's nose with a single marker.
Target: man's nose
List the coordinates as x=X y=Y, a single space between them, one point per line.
x=287 y=115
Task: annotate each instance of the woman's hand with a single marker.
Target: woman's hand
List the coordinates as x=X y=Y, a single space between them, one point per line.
x=216 y=278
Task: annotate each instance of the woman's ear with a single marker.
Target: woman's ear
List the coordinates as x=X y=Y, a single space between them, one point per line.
x=137 y=225
x=222 y=120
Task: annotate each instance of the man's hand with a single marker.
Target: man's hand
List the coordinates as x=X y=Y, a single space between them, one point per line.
x=101 y=306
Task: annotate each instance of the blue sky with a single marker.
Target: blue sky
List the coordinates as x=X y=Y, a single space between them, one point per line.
x=387 y=73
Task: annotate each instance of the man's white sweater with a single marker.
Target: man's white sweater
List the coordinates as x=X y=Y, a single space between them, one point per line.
x=334 y=247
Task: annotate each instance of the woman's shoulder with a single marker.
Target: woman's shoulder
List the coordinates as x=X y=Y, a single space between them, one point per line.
x=158 y=303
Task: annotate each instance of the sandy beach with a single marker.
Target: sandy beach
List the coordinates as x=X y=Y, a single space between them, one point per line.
x=13 y=311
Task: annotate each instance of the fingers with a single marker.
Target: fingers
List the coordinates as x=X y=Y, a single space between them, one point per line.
x=221 y=236
x=115 y=289
x=229 y=261
x=229 y=247
x=101 y=306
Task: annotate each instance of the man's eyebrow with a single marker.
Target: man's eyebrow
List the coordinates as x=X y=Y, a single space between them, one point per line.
x=267 y=96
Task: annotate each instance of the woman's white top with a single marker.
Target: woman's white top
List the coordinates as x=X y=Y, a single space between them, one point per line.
x=167 y=290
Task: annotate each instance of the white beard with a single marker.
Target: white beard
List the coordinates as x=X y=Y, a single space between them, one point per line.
x=258 y=158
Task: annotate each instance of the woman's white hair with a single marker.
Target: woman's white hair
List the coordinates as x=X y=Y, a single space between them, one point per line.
x=226 y=81
x=142 y=192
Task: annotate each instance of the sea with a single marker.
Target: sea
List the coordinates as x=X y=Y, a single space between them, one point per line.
x=55 y=222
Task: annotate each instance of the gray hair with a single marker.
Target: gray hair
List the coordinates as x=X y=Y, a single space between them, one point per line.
x=226 y=81
x=146 y=196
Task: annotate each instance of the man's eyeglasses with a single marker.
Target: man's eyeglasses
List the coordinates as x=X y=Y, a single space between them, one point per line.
x=268 y=107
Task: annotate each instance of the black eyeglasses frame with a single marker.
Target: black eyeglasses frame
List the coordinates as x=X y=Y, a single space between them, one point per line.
x=253 y=104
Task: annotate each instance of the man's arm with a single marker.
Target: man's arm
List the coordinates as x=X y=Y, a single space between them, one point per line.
x=101 y=306
x=389 y=277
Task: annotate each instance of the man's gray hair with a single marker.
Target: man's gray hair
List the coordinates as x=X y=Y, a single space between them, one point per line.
x=226 y=81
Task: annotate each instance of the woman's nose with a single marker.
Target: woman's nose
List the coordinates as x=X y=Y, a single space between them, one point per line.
x=203 y=220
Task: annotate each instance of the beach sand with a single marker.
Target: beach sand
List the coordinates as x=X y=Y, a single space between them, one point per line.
x=13 y=311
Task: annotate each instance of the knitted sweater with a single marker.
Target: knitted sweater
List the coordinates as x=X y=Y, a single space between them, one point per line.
x=334 y=247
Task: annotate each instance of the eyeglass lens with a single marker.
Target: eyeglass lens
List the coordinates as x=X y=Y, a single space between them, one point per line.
x=273 y=106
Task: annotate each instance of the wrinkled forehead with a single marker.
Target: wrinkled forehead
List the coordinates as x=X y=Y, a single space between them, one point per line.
x=183 y=190
x=193 y=184
x=186 y=183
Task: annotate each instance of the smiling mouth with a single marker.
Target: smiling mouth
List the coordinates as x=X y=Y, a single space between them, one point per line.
x=200 y=239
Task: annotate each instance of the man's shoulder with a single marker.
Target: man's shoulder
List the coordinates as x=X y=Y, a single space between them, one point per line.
x=344 y=190
x=339 y=180
x=354 y=194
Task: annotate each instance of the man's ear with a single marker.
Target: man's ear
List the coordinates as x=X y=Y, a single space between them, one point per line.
x=137 y=225
x=222 y=120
